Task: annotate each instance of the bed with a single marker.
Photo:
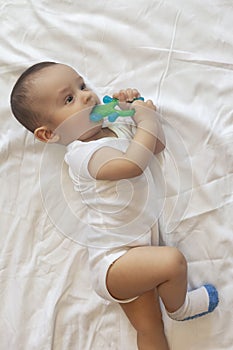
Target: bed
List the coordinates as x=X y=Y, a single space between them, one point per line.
x=178 y=53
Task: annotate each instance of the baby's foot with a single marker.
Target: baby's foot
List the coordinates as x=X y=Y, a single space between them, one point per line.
x=198 y=302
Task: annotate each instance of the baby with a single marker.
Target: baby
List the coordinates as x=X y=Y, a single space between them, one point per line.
x=109 y=167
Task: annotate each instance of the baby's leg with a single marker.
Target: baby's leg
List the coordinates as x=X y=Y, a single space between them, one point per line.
x=145 y=315
x=142 y=269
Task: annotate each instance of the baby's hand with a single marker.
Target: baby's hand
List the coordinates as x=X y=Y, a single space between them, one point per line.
x=144 y=110
x=126 y=97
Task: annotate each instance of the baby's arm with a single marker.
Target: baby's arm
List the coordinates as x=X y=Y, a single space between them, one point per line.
x=110 y=164
x=128 y=95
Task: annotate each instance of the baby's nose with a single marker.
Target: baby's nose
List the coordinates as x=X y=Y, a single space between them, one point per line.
x=86 y=96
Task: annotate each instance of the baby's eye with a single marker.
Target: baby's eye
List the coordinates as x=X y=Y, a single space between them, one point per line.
x=69 y=99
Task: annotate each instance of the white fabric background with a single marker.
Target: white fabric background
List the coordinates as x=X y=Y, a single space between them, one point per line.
x=180 y=55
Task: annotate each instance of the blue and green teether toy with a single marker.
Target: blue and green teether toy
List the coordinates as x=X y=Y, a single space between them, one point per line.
x=108 y=110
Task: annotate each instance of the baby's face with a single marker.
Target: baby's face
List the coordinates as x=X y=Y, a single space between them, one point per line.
x=60 y=92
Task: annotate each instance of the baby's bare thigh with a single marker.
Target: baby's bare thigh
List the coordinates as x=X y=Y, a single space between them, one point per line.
x=142 y=269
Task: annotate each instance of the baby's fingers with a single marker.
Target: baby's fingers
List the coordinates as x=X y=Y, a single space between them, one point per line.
x=151 y=104
x=147 y=104
x=132 y=94
x=126 y=95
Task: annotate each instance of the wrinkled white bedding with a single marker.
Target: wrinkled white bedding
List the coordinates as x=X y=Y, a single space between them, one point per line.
x=180 y=54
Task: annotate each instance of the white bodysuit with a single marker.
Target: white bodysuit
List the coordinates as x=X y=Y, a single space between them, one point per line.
x=120 y=214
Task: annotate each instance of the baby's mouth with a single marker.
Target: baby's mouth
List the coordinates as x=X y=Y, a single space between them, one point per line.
x=93 y=105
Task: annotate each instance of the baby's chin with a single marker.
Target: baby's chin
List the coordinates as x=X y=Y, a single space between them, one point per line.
x=91 y=134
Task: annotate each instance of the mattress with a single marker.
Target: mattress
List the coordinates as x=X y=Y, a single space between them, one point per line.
x=177 y=53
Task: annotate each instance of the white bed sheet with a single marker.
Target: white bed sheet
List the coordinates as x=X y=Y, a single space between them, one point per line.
x=180 y=55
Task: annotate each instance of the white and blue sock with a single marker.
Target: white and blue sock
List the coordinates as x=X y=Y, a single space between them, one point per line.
x=198 y=303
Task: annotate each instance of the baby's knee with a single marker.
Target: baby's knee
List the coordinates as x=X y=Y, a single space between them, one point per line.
x=178 y=263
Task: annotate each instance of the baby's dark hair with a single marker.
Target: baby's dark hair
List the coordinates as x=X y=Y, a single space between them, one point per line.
x=21 y=98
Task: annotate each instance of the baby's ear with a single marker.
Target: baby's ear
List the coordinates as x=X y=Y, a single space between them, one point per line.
x=45 y=135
